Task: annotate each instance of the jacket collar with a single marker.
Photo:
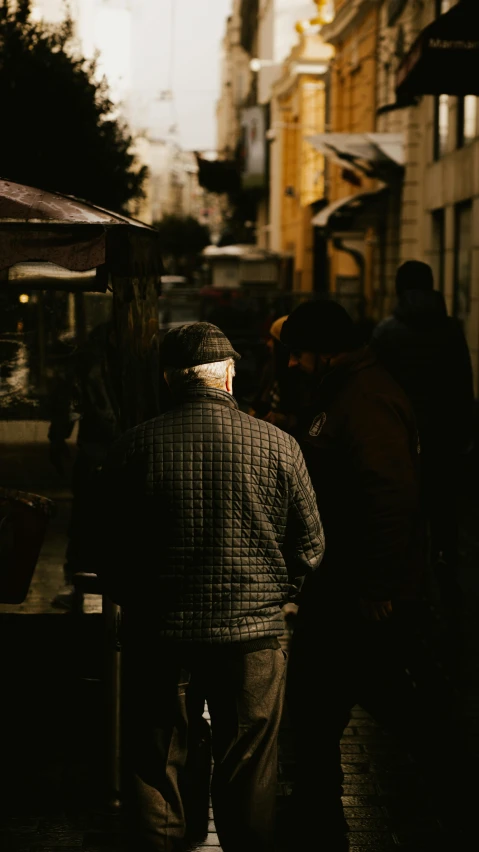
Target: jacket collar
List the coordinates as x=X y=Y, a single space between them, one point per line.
x=199 y=393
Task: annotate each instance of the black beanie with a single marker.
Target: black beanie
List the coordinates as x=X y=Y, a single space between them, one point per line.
x=414 y=275
x=321 y=326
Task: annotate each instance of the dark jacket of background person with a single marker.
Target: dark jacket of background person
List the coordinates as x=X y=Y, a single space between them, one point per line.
x=361 y=449
x=426 y=352
x=214 y=517
x=275 y=382
x=89 y=395
x=358 y=616
x=279 y=394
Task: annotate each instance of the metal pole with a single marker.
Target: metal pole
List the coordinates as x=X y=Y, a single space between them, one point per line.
x=41 y=342
x=112 y=619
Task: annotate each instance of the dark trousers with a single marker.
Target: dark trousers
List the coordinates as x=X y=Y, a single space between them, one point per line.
x=339 y=660
x=440 y=476
x=165 y=699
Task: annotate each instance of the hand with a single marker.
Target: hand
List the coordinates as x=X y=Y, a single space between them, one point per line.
x=375 y=610
x=290 y=610
x=59 y=452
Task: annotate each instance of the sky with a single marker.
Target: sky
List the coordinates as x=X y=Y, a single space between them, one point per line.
x=146 y=49
x=199 y=29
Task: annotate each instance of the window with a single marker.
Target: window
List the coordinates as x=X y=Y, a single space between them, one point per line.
x=466 y=119
x=462 y=260
x=438 y=247
x=441 y=125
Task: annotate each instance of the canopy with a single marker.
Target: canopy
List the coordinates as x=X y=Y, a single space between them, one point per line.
x=48 y=227
x=444 y=59
x=239 y=251
x=360 y=210
x=375 y=154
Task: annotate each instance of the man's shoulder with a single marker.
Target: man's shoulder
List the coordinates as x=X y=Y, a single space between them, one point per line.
x=274 y=444
x=264 y=429
x=136 y=435
x=374 y=386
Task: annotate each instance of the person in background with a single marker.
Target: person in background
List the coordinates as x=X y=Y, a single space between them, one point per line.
x=276 y=400
x=210 y=519
x=88 y=396
x=226 y=314
x=425 y=351
x=354 y=636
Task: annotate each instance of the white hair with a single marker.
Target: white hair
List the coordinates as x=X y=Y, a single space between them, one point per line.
x=207 y=375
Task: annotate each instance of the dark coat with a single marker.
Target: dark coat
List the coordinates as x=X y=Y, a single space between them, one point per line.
x=90 y=394
x=361 y=449
x=210 y=518
x=280 y=386
x=427 y=354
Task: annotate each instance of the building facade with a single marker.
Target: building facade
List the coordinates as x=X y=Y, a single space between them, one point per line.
x=399 y=24
x=258 y=39
x=297 y=170
x=353 y=250
x=277 y=35
x=235 y=82
x=439 y=211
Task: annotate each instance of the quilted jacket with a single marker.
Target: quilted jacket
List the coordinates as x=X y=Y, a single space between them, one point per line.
x=214 y=517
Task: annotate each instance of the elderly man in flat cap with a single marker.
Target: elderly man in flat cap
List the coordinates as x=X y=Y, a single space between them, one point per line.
x=216 y=521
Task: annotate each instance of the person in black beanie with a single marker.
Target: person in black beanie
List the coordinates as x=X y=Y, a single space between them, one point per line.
x=210 y=518
x=355 y=618
x=426 y=352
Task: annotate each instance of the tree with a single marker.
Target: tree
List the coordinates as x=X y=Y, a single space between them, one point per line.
x=183 y=238
x=59 y=129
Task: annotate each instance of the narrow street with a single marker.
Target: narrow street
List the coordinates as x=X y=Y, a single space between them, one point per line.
x=52 y=766
x=276 y=201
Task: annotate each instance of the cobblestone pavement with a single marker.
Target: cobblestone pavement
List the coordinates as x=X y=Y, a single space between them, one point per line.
x=52 y=726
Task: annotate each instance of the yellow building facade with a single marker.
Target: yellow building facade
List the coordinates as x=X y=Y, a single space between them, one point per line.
x=352 y=109
x=298 y=109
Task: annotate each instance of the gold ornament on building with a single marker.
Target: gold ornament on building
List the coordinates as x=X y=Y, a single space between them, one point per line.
x=323 y=16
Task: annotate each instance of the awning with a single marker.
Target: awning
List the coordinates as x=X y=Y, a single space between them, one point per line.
x=48 y=227
x=49 y=276
x=444 y=59
x=353 y=211
x=239 y=251
x=374 y=154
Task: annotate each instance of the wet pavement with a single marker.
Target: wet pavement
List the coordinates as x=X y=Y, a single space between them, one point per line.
x=53 y=726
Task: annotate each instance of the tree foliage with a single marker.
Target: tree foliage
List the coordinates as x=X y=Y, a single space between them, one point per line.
x=59 y=129
x=182 y=239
